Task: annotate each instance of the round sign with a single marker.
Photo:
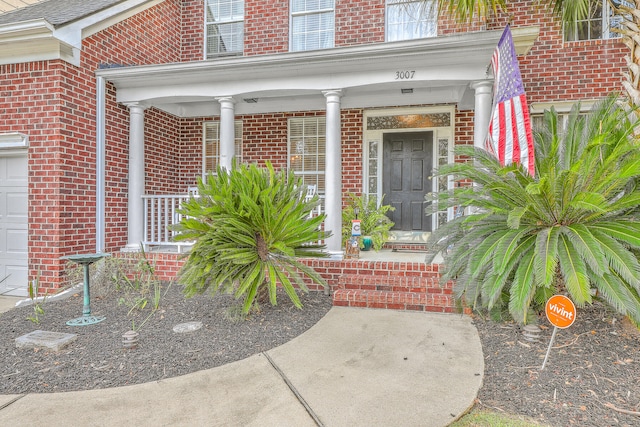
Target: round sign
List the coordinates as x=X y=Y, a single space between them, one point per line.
x=560 y=311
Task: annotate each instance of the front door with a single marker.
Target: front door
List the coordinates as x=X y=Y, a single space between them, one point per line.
x=407 y=164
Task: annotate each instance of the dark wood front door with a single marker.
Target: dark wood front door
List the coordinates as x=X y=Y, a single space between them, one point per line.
x=407 y=164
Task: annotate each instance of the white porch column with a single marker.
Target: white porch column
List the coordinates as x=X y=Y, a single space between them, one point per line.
x=227 y=131
x=483 y=101
x=135 y=225
x=333 y=174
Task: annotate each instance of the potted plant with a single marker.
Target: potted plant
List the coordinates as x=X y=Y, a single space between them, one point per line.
x=374 y=225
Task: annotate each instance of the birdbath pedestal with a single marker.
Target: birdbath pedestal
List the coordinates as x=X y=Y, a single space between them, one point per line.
x=85 y=260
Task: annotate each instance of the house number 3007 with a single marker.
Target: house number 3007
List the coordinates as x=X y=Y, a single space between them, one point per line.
x=405 y=75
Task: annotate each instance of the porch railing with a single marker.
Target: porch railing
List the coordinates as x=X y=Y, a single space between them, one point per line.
x=161 y=212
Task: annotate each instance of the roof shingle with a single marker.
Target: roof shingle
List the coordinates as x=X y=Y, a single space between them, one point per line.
x=57 y=12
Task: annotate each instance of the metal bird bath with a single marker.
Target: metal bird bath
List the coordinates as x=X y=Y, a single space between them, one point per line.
x=85 y=260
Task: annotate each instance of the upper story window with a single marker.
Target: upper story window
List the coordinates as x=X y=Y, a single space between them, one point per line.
x=408 y=20
x=211 y=145
x=312 y=24
x=599 y=23
x=224 y=27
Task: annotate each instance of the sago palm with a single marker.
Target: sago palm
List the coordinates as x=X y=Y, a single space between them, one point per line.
x=572 y=229
x=570 y=11
x=250 y=225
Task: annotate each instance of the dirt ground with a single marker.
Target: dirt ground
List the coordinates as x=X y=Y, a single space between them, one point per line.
x=591 y=378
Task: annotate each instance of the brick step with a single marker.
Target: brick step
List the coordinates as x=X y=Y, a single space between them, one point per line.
x=414 y=301
x=381 y=290
x=428 y=282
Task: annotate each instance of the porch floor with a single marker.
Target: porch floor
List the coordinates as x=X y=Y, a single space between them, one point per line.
x=399 y=255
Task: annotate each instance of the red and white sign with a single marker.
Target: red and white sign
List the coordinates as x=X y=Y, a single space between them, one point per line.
x=560 y=311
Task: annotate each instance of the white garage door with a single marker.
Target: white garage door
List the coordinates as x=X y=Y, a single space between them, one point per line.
x=13 y=223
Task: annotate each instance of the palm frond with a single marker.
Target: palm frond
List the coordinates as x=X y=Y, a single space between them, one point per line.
x=578 y=220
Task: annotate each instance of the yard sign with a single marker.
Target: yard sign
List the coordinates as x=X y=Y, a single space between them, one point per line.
x=561 y=313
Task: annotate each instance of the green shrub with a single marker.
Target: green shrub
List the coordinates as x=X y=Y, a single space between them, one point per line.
x=250 y=225
x=571 y=229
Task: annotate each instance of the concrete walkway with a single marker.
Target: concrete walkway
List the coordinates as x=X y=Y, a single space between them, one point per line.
x=355 y=367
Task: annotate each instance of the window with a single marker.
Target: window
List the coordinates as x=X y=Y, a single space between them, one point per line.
x=307 y=150
x=211 y=141
x=408 y=20
x=312 y=24
x=563 y=108
x=598 y=25
x=224 y=27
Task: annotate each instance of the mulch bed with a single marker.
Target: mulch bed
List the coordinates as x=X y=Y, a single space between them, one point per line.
x=591 y=378
x=97 y=358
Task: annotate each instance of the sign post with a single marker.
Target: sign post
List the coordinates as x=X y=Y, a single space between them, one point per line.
x=561 y=313
x=352 y=246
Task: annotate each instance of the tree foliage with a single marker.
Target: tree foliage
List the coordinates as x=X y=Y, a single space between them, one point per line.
x=572 y=228
x=250 y=226
x=569 y=11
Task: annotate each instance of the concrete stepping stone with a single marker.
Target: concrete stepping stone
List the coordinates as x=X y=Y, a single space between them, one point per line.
x=44 y=339
x=187 y=327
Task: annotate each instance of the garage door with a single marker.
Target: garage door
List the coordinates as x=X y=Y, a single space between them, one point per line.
x=13 y=223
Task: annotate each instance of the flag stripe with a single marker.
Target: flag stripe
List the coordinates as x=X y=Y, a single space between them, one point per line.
x=510 y=138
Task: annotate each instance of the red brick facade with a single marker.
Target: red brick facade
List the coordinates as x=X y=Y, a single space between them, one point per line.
x=54 y=102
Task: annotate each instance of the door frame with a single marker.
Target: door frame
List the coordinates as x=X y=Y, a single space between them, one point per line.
x=373 y=134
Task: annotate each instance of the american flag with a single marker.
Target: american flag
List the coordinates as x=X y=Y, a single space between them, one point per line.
x=510 y=137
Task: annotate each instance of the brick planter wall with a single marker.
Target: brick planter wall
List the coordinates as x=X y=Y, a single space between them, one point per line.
x=360 y=283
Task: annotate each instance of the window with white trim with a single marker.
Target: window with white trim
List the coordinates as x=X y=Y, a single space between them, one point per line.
x=408 y=20
x=224 y=27
x=563 y=110
x=306 y=150
x=211 y=145
x=599 y=23
x=312 y=24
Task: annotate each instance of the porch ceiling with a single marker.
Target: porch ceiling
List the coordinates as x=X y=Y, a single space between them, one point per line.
x=440 y=70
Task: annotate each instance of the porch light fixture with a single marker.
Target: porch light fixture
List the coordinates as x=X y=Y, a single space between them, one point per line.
x=250 y=100
x=404 y=91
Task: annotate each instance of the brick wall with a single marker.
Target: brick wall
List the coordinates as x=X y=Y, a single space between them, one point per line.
x=162 y=152
x=192 y=30
x=552 y=71
x=30 y=102
x=265 y=138
x=54 y=104
x=190 y=152
x=266 y=27
x=555 y=70
x=359 y=22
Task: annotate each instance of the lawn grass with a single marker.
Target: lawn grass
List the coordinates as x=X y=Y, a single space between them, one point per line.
x=484 y=418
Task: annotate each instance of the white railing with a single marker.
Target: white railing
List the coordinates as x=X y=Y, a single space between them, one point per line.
x=161 y=212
